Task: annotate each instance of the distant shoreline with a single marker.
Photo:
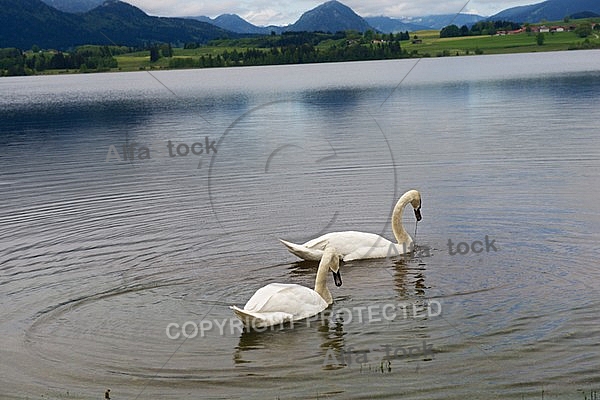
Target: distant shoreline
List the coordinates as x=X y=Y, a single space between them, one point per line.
x=234 y=53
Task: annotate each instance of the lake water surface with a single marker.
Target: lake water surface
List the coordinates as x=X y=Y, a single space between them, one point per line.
x=104 y=258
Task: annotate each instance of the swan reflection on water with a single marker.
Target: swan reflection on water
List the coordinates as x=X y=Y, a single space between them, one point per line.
x=313 y=336
x=405 y=272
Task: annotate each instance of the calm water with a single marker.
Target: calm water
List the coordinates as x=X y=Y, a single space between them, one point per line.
x=100 y=254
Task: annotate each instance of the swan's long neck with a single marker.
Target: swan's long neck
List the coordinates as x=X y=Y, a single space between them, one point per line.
x=321 y=280
x=397 y=227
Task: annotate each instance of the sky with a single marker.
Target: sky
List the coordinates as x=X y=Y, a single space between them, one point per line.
x=283 y=12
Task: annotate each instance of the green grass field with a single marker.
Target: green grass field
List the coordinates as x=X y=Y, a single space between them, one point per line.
x=433 y=46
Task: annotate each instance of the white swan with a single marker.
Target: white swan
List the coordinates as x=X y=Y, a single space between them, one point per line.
x=360 y=245
x=278 y=303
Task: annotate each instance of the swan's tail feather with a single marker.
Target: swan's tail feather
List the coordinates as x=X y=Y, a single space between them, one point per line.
x=246 y=317
x=303 y=252
x=261 y=320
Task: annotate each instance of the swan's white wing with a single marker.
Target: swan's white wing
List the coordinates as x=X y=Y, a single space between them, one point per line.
x=259 y=300
x=355 y=245
x=297 y=300
x=348 y=241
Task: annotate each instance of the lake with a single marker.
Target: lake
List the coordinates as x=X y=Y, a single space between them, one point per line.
x=137 y=207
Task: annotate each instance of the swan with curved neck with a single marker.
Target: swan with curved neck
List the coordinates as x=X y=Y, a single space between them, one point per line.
x=355 y=245
x=278 y=303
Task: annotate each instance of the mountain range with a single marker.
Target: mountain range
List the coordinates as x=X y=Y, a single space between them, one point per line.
x=550 y=10
x=387 y=24
x=332 y=16
x=235 y=23
x=442 y=20
x=64 y=24
x=32 y=22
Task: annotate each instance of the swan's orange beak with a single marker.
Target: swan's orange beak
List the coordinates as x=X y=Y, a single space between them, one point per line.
x=418 y=214
x=337 y=278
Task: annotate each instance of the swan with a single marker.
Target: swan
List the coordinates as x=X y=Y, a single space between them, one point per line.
x=355 y=245
x=277 y=303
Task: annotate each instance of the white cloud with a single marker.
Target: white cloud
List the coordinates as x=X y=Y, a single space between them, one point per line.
x=397 y=9
x=266 y=17
x=403 y=8
x=184 y=8
x=276 y=12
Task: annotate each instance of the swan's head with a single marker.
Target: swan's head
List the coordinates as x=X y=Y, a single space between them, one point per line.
x=415 y=202
x=331 y=257
x=414 y=198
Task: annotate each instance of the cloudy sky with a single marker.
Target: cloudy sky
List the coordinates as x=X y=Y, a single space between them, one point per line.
x=283 y=12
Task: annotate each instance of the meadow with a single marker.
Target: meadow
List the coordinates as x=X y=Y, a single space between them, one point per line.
x=432 y=45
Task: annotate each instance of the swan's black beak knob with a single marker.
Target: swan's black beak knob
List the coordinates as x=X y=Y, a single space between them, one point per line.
x=337 y=278
x=418 y=214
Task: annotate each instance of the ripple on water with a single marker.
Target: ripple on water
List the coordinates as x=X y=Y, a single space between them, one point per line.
x=99 y=257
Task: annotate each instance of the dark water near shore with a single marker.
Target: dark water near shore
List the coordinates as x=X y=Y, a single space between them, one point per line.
x=100 y=255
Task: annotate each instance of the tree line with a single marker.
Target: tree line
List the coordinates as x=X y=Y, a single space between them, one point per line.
x=300 y=38
x=15 y=62
x=300 y=48
x=583 y=29
x=294 y=54
x=479 y=28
